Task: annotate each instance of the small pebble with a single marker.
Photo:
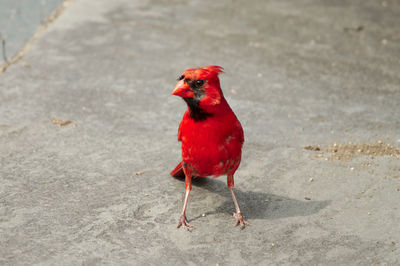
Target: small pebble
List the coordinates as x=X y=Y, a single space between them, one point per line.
x=369 y=213
x=204 y=215
x=307 y=198
x=273 y=244
x=233 y=91
x=351 y=168
x=311 y=179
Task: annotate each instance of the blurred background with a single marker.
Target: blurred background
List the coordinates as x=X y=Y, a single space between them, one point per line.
x=19 y=19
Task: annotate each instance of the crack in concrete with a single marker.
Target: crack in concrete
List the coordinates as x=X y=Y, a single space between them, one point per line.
x=18 y=56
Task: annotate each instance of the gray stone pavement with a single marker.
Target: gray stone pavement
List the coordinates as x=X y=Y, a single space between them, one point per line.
x=19 y=19
x=97 y=191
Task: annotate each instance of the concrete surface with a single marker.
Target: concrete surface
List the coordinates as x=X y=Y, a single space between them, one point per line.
x=20 y=19
x=298 y=73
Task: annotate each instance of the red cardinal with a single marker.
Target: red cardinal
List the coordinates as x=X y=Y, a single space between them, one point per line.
x=211 y=135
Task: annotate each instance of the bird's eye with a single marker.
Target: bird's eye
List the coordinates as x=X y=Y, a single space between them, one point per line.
x=181 y=77
x=199 y=82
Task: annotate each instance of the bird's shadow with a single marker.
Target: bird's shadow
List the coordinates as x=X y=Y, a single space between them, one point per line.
x=258 y=205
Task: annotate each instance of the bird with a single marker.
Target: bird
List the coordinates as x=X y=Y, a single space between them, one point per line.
x=211 y=135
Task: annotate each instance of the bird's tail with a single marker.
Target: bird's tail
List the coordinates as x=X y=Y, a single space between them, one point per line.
x=178 y=171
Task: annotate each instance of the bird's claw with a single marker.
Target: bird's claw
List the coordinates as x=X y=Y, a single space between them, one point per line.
x=184 y=223
x=239 y=220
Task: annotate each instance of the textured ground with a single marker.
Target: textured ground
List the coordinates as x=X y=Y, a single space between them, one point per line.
x=298 y=74
x=19 y=20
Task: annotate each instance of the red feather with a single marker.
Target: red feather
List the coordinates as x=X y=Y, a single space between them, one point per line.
x=178 y=171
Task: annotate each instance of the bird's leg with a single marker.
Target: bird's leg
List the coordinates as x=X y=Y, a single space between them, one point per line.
x=188 y=187
x=238 y=214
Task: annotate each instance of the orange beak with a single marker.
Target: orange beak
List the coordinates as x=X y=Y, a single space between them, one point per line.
x=183 y=90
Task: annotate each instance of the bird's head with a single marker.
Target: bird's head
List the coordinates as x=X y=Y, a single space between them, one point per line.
x=200 y=88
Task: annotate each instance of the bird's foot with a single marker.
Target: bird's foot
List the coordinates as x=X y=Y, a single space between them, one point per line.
x=184 y=223
x=239 y=220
